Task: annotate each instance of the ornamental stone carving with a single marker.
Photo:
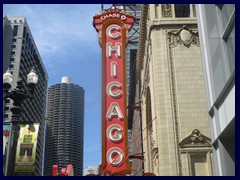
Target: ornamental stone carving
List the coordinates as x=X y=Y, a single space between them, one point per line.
x=146 y=81
x=196 y=138
x=194 y=10
x=183 y=36
x=166 y=10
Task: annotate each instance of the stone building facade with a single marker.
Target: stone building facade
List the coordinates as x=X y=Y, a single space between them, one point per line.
x=170 y=86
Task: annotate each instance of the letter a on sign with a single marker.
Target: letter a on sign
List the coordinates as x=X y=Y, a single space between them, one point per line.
x=113 y=30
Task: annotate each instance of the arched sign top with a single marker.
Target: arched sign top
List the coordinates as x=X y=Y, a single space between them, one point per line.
x=112 y=14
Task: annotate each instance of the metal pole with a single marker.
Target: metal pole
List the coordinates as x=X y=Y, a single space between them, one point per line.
x=17 y=95
x=13 y=139
x=141 y=136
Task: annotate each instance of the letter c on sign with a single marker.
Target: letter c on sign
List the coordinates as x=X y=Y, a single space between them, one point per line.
x=117 y=94
x=115 y=35
x=115 y=161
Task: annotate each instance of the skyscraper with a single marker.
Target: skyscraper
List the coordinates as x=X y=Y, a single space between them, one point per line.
x=65 y=125
x=217 y=34
x=20 y=55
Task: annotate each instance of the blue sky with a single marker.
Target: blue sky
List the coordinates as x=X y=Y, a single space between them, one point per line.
x=68 y=45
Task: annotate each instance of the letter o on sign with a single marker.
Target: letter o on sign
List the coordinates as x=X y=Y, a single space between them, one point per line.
x=114 y=156
x=123 y=17
x=114 y=133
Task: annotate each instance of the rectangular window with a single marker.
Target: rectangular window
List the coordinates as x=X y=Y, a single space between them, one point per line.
x=13 y=52
x=24 y=32
x=13 y=46
x=182 y=10
x=7 y=101
x=15 y=30
x=31 y=48
x=226 y=12
x=27 y=38
x=11 y=66
x=14 y=40
x=230 y=44
x=11 y=59
x=29 y=43
x=156 y=10
x=5 y=115
x=6 y=108
x=199 y=166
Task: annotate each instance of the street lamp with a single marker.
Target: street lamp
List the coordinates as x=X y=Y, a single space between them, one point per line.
x=17 y=95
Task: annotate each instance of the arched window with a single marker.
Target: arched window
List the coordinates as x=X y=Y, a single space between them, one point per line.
x=182 y=10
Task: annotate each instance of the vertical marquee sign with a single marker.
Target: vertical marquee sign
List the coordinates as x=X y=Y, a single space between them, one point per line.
x=113 y=26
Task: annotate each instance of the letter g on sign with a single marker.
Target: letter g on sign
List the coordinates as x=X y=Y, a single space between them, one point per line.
x=115 y=133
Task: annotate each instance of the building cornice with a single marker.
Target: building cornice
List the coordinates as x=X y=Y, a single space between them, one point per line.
x=142 y=38
x=167 y=23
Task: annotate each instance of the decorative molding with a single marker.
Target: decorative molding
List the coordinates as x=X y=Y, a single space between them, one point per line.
x=150 y=48
x=183 y=36
x=194 y=10
x=146 y=81
x=166 y=10
x=174 y=101
x=142 y=38
x=195 y=139
x=154 y=154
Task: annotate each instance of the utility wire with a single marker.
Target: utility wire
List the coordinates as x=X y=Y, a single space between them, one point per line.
x=131 y=143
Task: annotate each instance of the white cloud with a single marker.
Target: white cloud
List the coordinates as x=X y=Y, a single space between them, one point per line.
x=59 y=28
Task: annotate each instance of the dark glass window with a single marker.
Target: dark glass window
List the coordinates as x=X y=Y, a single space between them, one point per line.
x=27 y=39
x=6 y=108
x=15 y=30
x=29 y=43
x=13 y=46
x=11 y=59
x=7 y=101
x=226 y=12
x=32 y=48
x=182 y=10
x=230 y=44
x=14 y=40
x=12 y=52
x=24 y=32
x=5 y=115
x=11 y=66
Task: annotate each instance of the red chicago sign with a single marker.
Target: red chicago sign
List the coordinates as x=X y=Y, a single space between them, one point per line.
x=113 y=27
